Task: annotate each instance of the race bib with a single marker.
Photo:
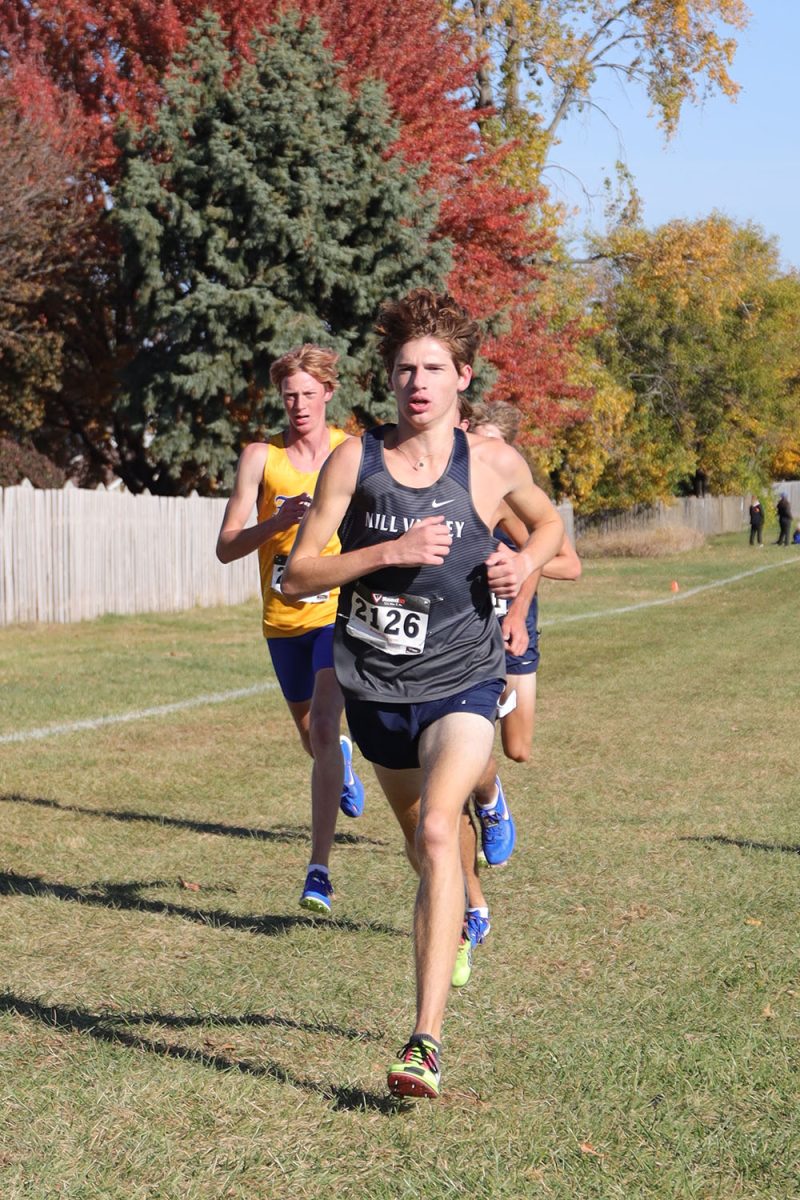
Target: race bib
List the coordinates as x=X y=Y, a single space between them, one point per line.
x=278 y=567
x=394 y=624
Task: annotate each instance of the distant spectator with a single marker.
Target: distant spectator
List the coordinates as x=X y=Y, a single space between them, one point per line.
x=756 y=522
x=784 y=510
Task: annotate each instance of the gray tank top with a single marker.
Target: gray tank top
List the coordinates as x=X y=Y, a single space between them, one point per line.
x=407 y=634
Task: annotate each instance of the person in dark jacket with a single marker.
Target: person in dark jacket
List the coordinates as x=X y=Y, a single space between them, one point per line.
x=784 y=510
x=756 y=522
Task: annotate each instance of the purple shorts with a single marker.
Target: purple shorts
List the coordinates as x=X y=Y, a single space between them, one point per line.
x=297 y=659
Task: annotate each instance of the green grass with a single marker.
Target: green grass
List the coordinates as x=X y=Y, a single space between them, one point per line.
x=628 y=1031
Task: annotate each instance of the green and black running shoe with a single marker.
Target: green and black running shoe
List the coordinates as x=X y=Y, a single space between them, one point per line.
x=416 y=1071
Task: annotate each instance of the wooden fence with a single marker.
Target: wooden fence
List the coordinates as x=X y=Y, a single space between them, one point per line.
x=792 y=489
x=708 y=514
x=73 y=554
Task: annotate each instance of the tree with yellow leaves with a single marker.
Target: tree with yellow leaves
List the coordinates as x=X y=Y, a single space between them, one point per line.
x=701 y=338
x=539 y=60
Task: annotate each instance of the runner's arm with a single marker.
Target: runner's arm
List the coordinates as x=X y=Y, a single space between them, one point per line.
x=236 y=540
x=564 y=565
x=506 y=569
x=514 y=623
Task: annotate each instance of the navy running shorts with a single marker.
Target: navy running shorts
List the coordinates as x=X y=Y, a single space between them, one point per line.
x=388 y=734
x=527 y=662
x=297 y=659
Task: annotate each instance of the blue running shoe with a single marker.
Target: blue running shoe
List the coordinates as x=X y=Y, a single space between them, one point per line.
x=477 y=926
x=497 y=829
x=317 y=893
x=352 y=801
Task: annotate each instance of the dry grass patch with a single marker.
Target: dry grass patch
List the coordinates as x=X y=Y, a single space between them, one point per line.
x=641 y=543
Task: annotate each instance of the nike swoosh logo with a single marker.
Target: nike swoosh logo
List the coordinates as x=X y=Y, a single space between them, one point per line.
x=441 y=503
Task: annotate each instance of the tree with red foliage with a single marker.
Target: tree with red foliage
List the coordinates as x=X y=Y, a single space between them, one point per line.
x=42 y=215
x=113 y=57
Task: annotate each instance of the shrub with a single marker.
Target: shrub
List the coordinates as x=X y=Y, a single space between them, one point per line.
x=654 y=542
x=18 y=462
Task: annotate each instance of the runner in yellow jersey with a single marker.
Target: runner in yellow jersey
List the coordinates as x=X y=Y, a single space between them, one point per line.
x=279 y=477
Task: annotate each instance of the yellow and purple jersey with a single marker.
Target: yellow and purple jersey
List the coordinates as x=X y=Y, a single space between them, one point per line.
x=282 y=617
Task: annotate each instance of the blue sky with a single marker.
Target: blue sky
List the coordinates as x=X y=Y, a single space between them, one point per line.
x=741 y=158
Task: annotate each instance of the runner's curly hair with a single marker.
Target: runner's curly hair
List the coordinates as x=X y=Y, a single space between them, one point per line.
x=500 y=413
x=314 y=360
x=423 y=313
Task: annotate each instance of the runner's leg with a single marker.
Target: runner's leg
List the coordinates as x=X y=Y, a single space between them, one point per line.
x=301 y=713
x=468 y=841
x=485 y=790
x=327 y=773
x=516 y=729
x=453 y=753
x=402 y=790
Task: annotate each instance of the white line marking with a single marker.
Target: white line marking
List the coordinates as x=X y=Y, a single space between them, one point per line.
x=703 y=587
x=30 y=735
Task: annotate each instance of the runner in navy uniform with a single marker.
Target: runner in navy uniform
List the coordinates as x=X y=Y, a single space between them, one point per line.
x=418 y=650
x=518 y=620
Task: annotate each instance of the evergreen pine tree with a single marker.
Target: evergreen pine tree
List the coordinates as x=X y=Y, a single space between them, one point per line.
x=263 y=209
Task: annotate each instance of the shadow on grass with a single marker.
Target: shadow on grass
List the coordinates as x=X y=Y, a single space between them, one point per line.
x=106 y=1028
x=742 y=843
x=127 y=896
x=281 y=833
x=247 y=1020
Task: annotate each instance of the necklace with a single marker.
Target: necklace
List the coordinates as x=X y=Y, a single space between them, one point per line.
x=418 y=462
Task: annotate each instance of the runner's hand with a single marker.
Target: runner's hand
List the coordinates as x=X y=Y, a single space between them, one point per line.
x=426 y=544
x=515 y=633
x=291 y=512
x=503 y=571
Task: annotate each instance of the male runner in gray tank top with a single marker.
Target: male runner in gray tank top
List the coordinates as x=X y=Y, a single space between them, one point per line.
x=418 y=650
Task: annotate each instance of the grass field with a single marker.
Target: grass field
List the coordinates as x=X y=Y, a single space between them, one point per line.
x=172 y=1025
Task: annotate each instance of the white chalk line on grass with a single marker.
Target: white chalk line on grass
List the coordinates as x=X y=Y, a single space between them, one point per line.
x=672 y=599
x=30 y=735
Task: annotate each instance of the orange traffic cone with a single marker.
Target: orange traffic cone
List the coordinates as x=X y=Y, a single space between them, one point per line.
x=674 y=586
